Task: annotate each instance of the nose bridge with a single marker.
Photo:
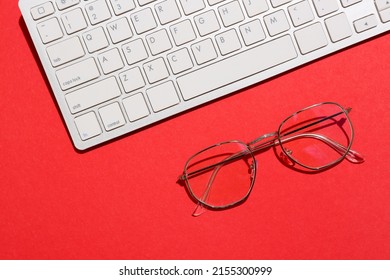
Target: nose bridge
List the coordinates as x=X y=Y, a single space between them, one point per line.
x=263 y=142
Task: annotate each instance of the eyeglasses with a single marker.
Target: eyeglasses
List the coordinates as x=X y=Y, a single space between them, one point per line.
x=312 y=139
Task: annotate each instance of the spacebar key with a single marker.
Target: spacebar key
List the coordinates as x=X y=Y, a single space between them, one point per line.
x=237 y=67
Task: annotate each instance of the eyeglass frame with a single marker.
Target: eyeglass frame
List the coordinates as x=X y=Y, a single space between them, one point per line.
x=255 y=146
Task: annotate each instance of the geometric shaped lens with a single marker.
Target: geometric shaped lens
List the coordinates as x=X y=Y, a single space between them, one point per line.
x=318 y=136
x=221 y=175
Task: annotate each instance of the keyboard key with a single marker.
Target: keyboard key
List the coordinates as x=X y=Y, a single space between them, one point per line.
x=74 y=21
x=311 y=38
x=192 y=6
x=385 y=15
x=183 y=32
x=135 y=51
x=338 y=27
x=365 y=23
x=135 y=107
x=180 y=61
x=277 y=3
x=119 y=30
x=204 y=51
x=347 y=3
x=49 y=30
x=255 y=7
x=144 y=2
x=132 y=79
x=301 y=13
x=276 y=23
x=110 y=61
x=88 y=126
x=122 y=6
x=207 y=23
x=162 y=96
x=112 y=116
x=42 y=10
x=156 y=70
x=95 y=39
x=228 y=42
x=237 y=67
x=325 y=7
x=143 y=21
x=252 y=32
x=92 y=95
x=77 y=74
x=213 y=2
x=231 y=13
x=64 y=4
x=158 y=42
x=382 y=4
x=98 y=11
x=167 y=11
x=65 y=51
x=383 y=7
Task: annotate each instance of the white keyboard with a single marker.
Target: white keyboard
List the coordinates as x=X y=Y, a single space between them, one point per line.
x=118 y=65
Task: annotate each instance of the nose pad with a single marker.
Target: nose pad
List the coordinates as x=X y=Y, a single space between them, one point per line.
x=285 y=159
x=252 y=169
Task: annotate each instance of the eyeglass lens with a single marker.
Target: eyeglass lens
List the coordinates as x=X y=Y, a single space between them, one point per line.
x=317 y=137
x=230 y=162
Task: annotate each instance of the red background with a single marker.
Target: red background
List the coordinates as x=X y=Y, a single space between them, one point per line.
x=121 y=200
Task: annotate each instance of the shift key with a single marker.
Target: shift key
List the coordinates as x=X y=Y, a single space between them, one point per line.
x=92 y=95
x=77 y=74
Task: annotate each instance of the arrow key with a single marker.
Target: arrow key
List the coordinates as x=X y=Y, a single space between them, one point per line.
x=365 y=23
x=382 y=4
x=385 y=15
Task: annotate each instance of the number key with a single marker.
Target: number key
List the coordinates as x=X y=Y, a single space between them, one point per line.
x=98 y=11
x=122 y=6
x=74 y=21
